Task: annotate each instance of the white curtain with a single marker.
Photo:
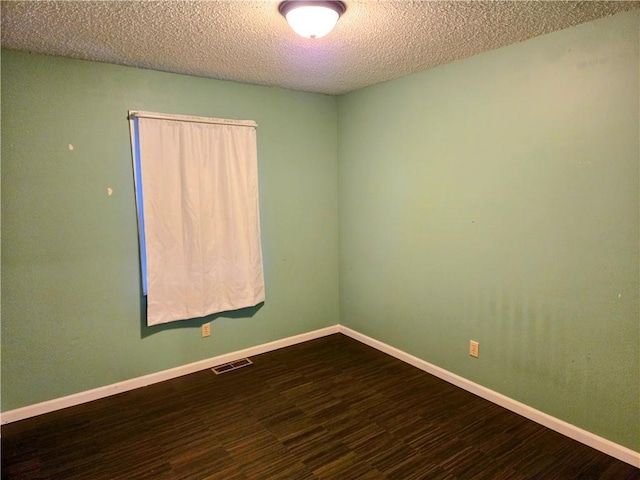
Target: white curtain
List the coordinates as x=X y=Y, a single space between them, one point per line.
x=199 y=185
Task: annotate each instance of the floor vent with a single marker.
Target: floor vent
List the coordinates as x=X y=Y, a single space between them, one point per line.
x=227 y=367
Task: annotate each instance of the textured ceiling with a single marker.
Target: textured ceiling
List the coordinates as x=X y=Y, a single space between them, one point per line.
x=248 y=41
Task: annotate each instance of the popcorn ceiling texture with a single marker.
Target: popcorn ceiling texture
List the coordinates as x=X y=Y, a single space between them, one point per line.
x=250 y=42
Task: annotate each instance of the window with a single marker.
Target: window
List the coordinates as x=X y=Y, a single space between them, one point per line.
x=198 y=214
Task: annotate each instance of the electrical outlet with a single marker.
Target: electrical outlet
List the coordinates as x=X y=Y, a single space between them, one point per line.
x=206 y=329
x=474 y=348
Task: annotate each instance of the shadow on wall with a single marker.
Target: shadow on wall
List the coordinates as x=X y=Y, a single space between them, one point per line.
x=146 y=331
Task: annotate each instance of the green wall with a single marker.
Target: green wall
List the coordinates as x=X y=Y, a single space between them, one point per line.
x=71 y=299
x=497 y=199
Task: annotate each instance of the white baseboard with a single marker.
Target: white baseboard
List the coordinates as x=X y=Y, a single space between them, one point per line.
x=602 y=444
x=108 y=390
x=594 y=441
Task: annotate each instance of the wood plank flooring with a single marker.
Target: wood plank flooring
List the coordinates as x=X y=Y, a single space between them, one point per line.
x=331 y=408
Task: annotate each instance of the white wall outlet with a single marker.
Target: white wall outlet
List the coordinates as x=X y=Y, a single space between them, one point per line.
x=206 y=329
x=474 y=348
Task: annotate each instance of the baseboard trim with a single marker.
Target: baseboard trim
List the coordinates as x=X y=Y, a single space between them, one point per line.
x=602 y=444
x=124 y=386
x=594 y=441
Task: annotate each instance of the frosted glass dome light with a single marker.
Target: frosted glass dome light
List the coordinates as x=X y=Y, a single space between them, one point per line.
x=312 y=19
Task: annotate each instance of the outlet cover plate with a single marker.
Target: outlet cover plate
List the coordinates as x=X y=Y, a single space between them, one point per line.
x=206 y=329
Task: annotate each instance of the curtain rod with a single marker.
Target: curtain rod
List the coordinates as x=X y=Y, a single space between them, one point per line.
x=189 y=118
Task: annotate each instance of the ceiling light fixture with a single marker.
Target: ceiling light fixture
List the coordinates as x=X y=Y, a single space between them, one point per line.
x=311 y=19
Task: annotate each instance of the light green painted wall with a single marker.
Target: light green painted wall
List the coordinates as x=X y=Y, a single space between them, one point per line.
x=71 y=300
x=497 y=199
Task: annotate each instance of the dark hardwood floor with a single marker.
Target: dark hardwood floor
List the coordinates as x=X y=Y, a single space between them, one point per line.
x=331 y=408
